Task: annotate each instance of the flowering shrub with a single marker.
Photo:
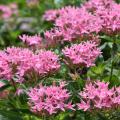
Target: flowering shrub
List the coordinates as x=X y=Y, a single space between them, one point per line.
x=65 y=65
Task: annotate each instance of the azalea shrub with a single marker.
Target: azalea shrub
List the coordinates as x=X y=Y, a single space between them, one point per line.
x=60 y=60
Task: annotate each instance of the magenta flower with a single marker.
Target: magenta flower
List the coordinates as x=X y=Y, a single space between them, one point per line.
x=83 y=54
x=49 y=99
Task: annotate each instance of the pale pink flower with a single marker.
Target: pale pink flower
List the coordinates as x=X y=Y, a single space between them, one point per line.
x=1 y=84
x=19 y=92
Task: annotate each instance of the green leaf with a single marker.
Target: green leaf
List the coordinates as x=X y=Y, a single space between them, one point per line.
x=9 y=115
x=4 y=87
x=98 y=69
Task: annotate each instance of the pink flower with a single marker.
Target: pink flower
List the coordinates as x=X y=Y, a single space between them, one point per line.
x=1 y=84
x=83 y=105
x=93 y=5
x=20 y=61
x=35 y=40
x=74 y=23
x=83 y=54
x=53 y=37
x=49 y=99
x=8 y=10
x=23 y=63
x=19 y=92
x=98 y=95
x=46 y=62
x=109 y=13
x=110 y=19
x=50 y=15
x=5 y=70
x=78 y=23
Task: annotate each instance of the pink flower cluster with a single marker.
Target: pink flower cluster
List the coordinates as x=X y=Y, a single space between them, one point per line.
x=46 y=62
x=109 y=13
x=49 y=99
x=98 y=95
x=21 y=62
x=5 y=70
x=35 y=40
x=75 y=23
x=83 y=54
x=93 y=5
x=53 y=37
x=50 y=15
x=110 y=19
x=8 y=10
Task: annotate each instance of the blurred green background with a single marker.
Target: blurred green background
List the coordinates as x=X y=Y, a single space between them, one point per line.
x=29 y=19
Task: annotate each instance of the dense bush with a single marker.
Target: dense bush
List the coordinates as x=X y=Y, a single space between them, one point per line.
x=59 y=60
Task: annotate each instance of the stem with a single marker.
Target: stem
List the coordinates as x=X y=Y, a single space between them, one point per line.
x=13 y=83
x=44 y=117
x=112 y=57
x=111 y=72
